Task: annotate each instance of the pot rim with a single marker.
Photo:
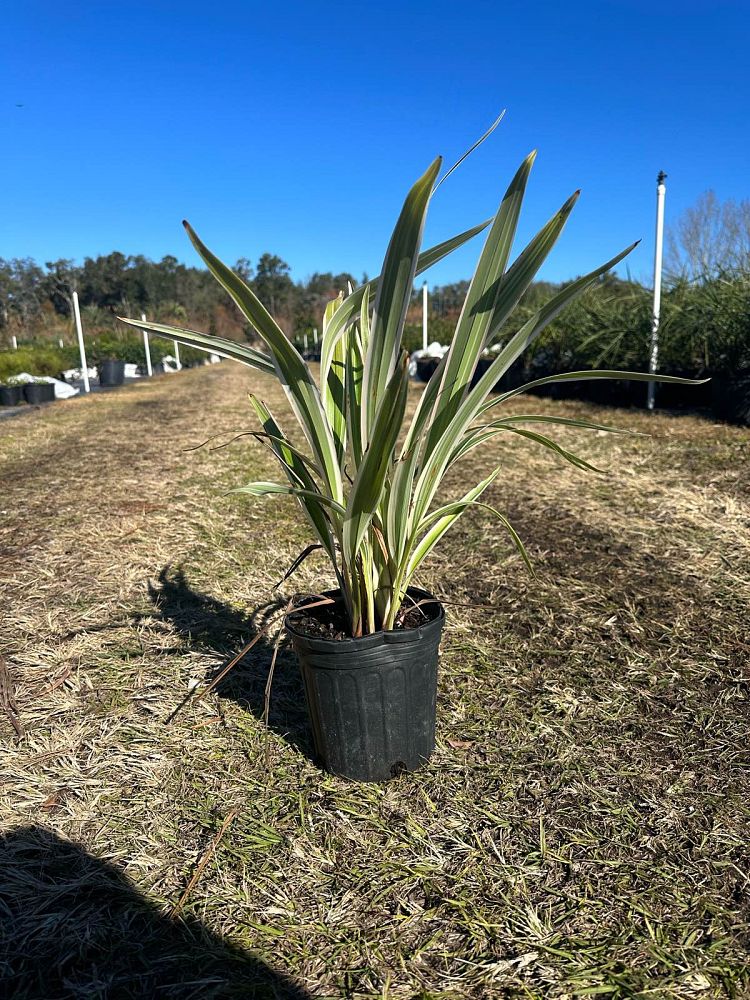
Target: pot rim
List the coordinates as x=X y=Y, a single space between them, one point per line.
x=348 y=645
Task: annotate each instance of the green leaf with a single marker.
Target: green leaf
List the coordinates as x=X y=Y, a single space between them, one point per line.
x=393 y=296
x=334 y=386
x=292 y=371
x=215 y=345
x=471 y=149
x=378 y=456
x=353 y=302
x=262 y=489
x=581 y=376
x=445 y=517
x=354 y=339
x=481 y=302
x=438 y=459
x=542 y=439
x=521 y=418
x=298 y=474
x=485 y=432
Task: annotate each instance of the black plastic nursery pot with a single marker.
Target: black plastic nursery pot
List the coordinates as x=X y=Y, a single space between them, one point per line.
x=10 y=395
x=372 y=700
x=39 y=392
x=673 y=396
x=426 y=368
x=512 y=379
x=111 y=372
x=730 y=395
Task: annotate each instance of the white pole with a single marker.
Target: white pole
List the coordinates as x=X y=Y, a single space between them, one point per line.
x=315 y=336
x=177 y=355
x=424 y=316
x=81 y=347
x=60 y=342
x=661 y=191
x=14 y=342
x=304 y=340
x=146 y=347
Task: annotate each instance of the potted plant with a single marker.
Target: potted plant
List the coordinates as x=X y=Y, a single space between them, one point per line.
x=39 y=390
x=368 y=649
x=11 y=392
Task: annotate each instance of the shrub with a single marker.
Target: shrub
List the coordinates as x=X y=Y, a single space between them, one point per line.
x=36 y=360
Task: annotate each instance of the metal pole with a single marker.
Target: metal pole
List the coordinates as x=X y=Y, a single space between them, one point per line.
x=147 y=348
x=661 y=191
x=81 y=347
x=177 y=355
x=424 y=316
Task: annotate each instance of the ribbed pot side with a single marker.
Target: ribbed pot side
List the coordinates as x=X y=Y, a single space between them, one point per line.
x=372 y=700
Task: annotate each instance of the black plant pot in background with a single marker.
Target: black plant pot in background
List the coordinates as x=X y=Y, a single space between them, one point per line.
x=673 y=396
x=426 y=368
x=10 y=395
x=610 y=392
x=39 y=392
x=372 y=700
x=482 y=365
x=730 y=393
x=111 y=372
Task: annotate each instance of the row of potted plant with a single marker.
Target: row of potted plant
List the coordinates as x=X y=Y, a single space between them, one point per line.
x=725 y=393
x=13 y=392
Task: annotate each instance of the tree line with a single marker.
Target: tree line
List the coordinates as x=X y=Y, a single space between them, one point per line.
x=705 y=319
x=37 y=301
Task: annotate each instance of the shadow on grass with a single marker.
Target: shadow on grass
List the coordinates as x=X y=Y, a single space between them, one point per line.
x=73 y=927
x=213 y=626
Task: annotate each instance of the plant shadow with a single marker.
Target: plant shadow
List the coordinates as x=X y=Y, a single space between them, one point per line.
x=214 y=626
x=74 y=927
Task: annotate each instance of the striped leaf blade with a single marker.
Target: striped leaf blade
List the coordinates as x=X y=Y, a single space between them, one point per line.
x=353 y=302
x=479 y=305
x=366 y=491
x=333 y=387
x=436 y=461
x=394 y=294
x=583 y=376
x=291 y=368
x=261 y=488
x=215 y=345
x=298 y=474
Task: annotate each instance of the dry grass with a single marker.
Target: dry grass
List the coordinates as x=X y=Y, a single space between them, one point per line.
x=582 y=828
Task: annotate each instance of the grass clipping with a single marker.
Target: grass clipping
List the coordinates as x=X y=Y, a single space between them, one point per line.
x=581 y=830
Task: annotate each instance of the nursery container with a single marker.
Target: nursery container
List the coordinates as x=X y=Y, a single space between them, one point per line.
x=111 y=372
x=39 y=392
x=426 y=368
x=730 y=393
x=372 y=700
x=10 y=395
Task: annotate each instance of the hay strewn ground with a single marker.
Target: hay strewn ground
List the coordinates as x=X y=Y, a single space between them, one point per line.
x=582 y=828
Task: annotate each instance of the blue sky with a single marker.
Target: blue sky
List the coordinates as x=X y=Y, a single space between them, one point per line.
x=297 y=128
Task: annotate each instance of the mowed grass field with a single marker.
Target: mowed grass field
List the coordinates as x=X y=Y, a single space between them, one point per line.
x=582 y=828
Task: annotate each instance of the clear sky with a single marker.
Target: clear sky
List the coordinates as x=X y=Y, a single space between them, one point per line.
x=297 y=128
